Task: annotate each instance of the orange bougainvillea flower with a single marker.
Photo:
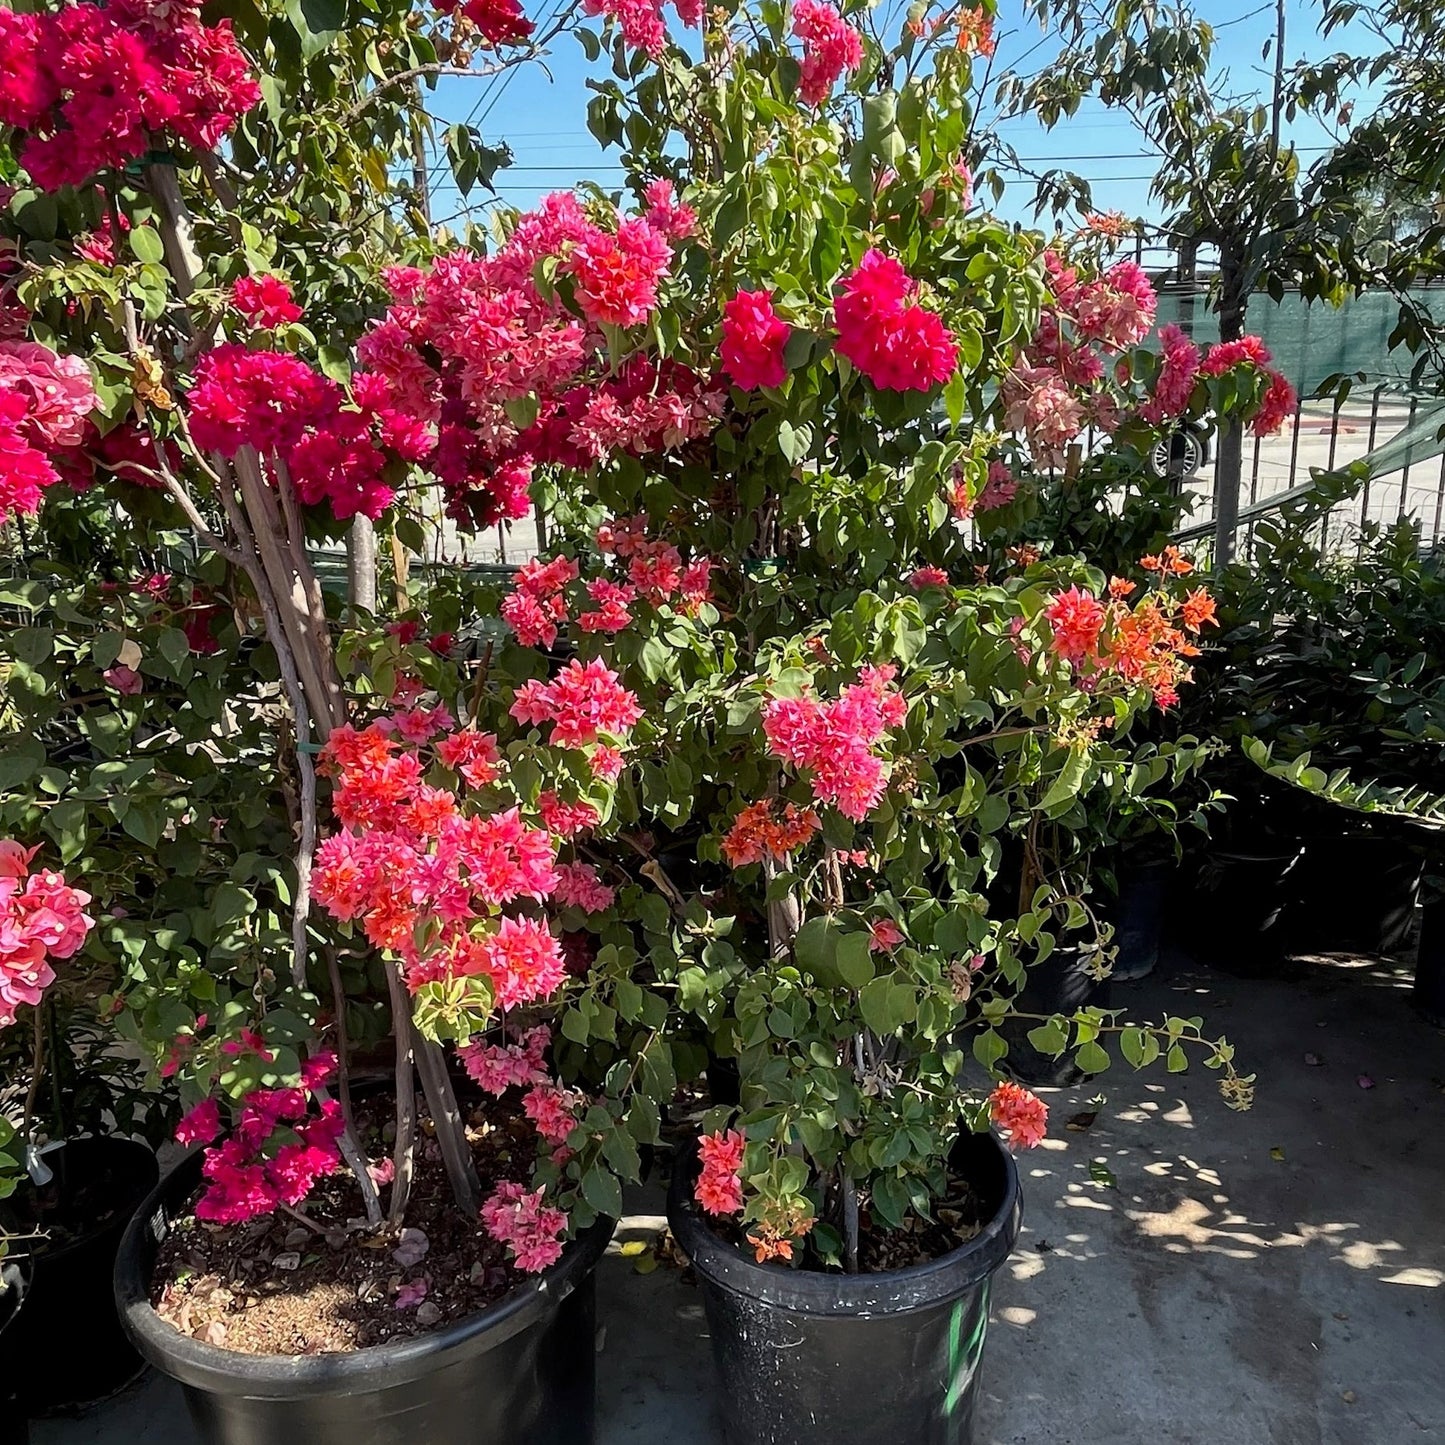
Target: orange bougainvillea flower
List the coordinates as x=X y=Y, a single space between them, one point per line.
x=1197 y=610
x=1171 y=560
x=768 y=828
x=975 y=32
x=1021 y=1114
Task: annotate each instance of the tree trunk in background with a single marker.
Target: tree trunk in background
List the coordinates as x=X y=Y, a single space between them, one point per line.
x=361 y=565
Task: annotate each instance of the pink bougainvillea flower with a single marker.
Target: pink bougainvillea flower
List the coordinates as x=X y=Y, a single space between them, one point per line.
x=265 y=301
x=831 y=47
x=884 y=935
x=753 y=340
x=922 y=577
x=896 y=343
x=578 y=886
x=498 y=22
x=201 y=1125
x=520 y=1219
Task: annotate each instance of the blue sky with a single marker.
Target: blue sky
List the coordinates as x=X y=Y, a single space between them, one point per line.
x=543 y=117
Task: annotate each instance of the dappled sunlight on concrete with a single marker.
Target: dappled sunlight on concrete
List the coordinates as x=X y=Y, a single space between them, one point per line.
x=1187 y=1274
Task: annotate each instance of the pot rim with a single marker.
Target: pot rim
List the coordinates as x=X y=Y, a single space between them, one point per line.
x=97 y=1144
x=888 y=1292
x=220 y=1371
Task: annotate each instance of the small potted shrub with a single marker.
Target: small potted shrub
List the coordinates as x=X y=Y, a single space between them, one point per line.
x=70 y=1176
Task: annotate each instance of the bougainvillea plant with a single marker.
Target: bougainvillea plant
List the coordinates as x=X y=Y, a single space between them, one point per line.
x=758 y=763
x=42 y=922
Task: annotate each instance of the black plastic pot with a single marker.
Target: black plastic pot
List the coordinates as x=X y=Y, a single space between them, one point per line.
x=1138 y=915
x=1235 y=917
x=807 y=1358
x=67 y=1348
x=1355 y=893
x=520 y=1373
x=1429 y=993
x=1058 y=985
x=15 y=1275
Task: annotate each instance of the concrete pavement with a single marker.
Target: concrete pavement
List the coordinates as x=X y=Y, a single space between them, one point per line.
x=1185 y=1275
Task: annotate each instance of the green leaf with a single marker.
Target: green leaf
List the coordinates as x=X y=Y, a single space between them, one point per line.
x=21 y=761
x=1049 y=1038
x=1066 y=786
x=146 y=244
x=317 y=22
x=989 y=1047
x=173 y=646
x=1092 y=1058
x=873 y=1004
x=854 y=960
x=1177 y=1060
x=602 y=1191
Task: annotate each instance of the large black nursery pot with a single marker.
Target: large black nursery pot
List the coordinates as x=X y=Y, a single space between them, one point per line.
x=520 y=1373
x=1236 y=915
x=1138 y=917
x=1060 y=984
x=66 y=1348
x=1429 y=991
x=15 y=1276
x=808 y=1358
x=1355 y=892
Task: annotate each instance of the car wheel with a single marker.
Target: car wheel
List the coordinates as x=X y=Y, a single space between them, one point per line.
x=1180 y=454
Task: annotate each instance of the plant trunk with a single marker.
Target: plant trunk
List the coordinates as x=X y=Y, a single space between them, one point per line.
x=404 y=1153
x=451 y=1130
x=1229 y=471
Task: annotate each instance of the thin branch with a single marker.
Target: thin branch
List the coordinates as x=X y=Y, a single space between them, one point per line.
x=403 y=77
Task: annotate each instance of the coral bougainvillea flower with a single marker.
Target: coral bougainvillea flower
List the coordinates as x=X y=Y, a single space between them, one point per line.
x=719 y=1187
x=1022 y=1115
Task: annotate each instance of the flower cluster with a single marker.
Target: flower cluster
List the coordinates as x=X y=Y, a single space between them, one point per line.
x=1021 y=1114
x=835 y=742
x=719 y=1187
x=464 y=343
x=333 y=450
x=265 y=301
x=1249 y=352
x=583 y=702
x=830 y=47
x=999 y=490
x=641 y=22
x=498 y=22
x=753 y=340
x=533 y=1230
x=1174 y=384
x=536 y=605
x=45 y=403
x=275 y=1152
x=499 y=1067
x=42 y=918
x=896 y=343
x=769 y=828
x=425 y=878
x=1053 y=393
x=975 y=31
x=1146 y=643
x=94 y=86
